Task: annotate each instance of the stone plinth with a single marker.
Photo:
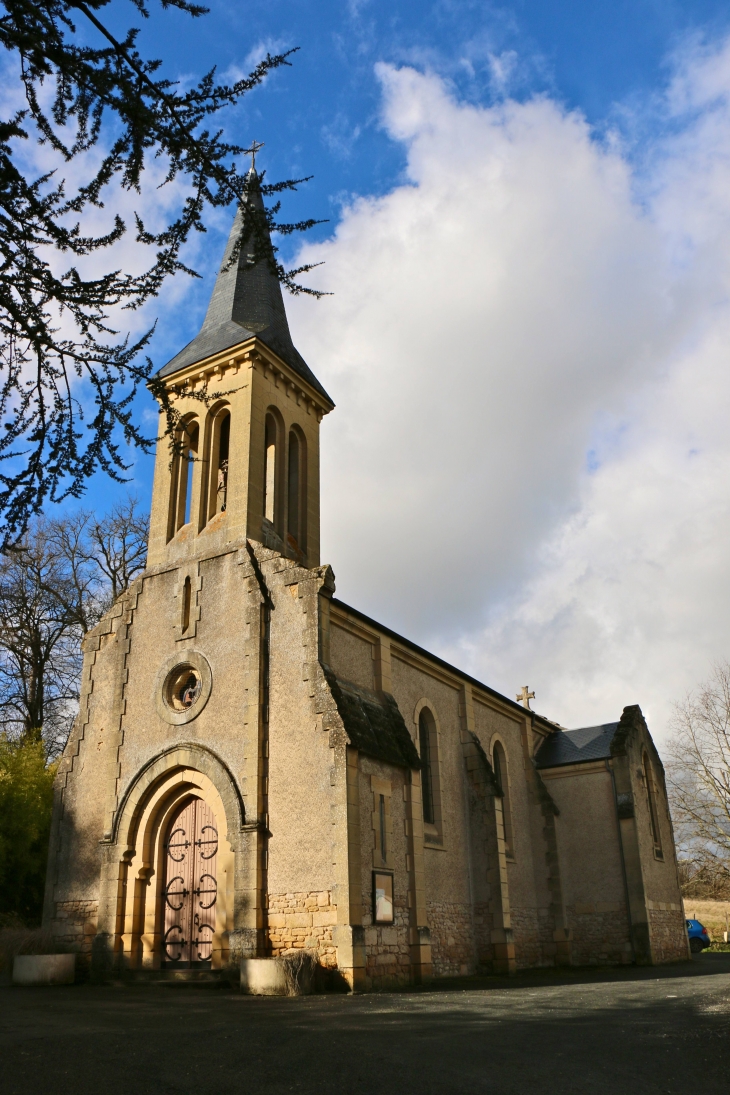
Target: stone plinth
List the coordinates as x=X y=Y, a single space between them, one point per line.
x=274 y=977
x=44 y=969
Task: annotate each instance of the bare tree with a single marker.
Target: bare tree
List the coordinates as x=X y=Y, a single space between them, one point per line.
x=40 y=636
x=698 y=781
x=103 y=555
x=119 y=545
x=89 y=96
x=54 y=587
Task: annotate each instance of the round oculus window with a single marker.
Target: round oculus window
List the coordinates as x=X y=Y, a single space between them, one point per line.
x=182 y=687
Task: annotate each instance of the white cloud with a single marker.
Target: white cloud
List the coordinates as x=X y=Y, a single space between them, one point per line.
x=528 y=466
x=502 y=68
x=256 y=55
x=341 y=135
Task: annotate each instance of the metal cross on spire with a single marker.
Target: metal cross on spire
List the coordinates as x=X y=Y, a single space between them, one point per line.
x=255 y=146
x=525 y=696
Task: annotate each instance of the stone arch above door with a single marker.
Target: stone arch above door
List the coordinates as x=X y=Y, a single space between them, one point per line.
x=138 y=848
x=178 y=758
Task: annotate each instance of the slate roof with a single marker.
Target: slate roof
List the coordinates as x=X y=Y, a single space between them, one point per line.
x=246 y=301
x=576 y=746
x=373 y=723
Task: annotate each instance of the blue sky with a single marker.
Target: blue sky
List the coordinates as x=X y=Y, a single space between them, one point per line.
x=528 y=243
x=321 y=117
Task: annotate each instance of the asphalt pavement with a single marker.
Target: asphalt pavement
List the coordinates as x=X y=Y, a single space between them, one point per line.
x=617 y=1032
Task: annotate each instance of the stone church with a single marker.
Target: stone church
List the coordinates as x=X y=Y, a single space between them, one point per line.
x=258 y=768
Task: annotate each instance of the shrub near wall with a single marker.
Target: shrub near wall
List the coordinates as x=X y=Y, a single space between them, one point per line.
x=26 y=800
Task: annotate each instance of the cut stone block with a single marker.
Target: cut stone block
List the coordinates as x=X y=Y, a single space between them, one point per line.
x=44 y=969
x=268 y=977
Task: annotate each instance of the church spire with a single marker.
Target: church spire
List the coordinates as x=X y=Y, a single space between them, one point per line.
x=247 y=299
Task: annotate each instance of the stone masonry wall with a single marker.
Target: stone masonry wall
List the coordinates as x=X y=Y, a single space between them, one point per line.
x=387 y=954
x=533 y=935
x=667 y=934
x=600 y=935
x=452 y=939
x=483 y=923
x=303 y=921
x=74 y=925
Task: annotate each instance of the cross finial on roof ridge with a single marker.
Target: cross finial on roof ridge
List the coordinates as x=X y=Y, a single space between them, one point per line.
x=524 y=697
x=255 y=146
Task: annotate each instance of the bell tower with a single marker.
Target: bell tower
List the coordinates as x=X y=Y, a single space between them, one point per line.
x=246 y=463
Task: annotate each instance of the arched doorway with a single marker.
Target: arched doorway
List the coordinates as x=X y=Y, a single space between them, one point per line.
x=190 y=891
x=132 y=901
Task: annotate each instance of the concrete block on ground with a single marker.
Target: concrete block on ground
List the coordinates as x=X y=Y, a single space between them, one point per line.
x=44 y=969
x=283 y=976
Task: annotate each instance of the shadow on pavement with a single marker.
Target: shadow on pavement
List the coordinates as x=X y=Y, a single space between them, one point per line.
x=700 y=965
x=621 y=1031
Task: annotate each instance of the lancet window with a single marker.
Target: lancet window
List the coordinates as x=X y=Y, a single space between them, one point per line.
x=271 y=443
x=219 y=465
x=428 y=751
x=424 y=741
x=501 y=775
x=653 y=815
x=383 y=833
x=187 y=601
x=297 y=490
x=181 y=486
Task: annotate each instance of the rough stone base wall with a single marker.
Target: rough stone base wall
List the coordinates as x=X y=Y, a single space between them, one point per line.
x=452 y=939
x=532 y=930
x=667 y=934
x=74 y=926
x=483 y=924
x=303 y=921
x=600 y=935
x=387 y=953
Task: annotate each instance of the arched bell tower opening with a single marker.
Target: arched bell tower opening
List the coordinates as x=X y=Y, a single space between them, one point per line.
x=181 y=475
x=297 y=495
x=214 y=496
x=274 y=477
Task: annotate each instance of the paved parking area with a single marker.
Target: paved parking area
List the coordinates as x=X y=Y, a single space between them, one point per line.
x=556 y=1033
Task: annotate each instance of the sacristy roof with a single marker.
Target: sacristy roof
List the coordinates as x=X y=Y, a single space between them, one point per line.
x=576 y=746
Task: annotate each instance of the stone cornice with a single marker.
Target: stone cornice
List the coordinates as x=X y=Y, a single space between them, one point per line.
x=350 y=620
x=250 y=354
x=580 y=768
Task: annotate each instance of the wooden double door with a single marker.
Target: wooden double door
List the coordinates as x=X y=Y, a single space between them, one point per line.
x=191 y=886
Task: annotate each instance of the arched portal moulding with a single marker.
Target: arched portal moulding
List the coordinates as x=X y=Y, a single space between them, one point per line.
x=133 y=873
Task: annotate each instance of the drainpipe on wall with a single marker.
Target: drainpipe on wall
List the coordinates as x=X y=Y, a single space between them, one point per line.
x=625 y=876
